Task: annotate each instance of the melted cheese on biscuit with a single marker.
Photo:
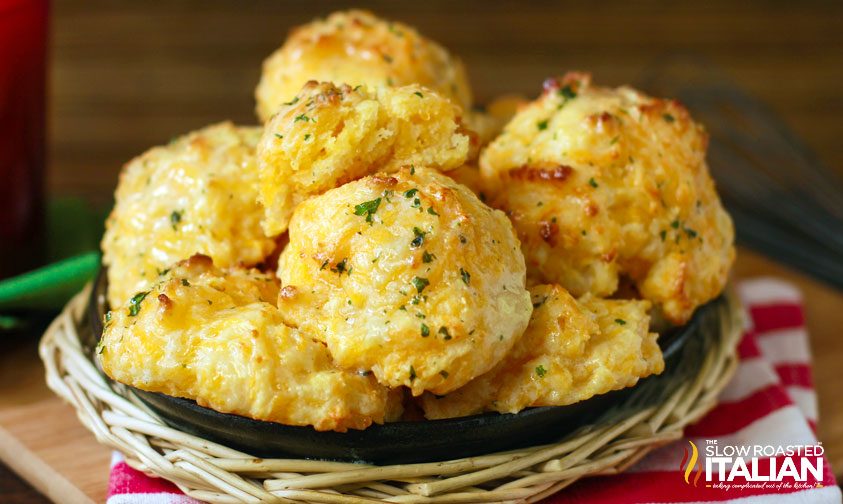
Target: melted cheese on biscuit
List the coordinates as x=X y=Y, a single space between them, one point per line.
x=356 y=47
x=196 y=195
x=330 y=135
x=607 y=183
x=570 y=352
x=407 y=275
x=216 y=337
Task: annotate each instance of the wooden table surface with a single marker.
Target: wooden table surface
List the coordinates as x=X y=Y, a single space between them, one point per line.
x=126 y=76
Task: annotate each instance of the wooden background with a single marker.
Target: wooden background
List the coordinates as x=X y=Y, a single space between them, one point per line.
x=128 y=75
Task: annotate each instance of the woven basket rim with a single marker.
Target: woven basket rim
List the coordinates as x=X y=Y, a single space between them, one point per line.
x=215 y=473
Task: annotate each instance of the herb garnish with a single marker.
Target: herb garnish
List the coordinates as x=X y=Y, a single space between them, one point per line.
x=367 y=208
x=341 y=266
x=466 y=276
x=419 y=238
x=445 y=334
x=135 y=303
x=420 y=283
x=175 y=217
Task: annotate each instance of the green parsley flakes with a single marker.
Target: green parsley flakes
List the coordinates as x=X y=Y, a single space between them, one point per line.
x=175 y=217
x=567 y=92
x=419 y=238
x=669 y=118
x=541 y=371
x=341 y=267
x=367 y=208
x=425 y=331
x=135 y=303
x=542 y=125
x=620 y=321
x=466 y=276
x=593 y=183
x=420 y=283
x=445 y=334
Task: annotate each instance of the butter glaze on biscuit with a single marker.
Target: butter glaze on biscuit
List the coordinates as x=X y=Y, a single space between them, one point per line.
x=604 y=184
x=216 y=336
x=408 y=275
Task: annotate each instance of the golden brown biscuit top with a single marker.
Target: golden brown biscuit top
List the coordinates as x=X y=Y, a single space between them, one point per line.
x=408 y=275
x=606 y=183
x=329 y=135
x=355 y=47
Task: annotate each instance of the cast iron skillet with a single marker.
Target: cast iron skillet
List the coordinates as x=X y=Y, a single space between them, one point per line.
x=392 y=443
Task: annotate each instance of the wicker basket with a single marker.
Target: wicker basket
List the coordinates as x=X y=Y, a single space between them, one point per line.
x=656 y=414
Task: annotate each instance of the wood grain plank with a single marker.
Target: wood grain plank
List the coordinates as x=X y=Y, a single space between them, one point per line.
x=40 y=437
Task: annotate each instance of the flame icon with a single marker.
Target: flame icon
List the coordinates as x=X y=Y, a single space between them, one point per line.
x=693 y=463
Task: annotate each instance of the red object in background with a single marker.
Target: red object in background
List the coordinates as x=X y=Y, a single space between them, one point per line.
x=23 y=54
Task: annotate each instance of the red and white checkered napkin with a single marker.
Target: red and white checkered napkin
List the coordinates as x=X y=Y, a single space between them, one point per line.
x=769 y=403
